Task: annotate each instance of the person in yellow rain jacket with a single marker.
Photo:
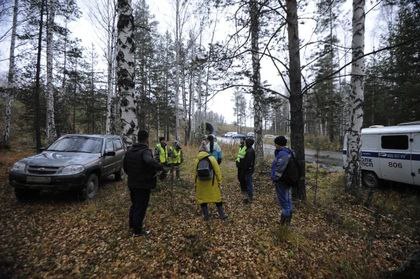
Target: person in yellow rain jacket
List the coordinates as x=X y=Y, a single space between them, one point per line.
x=161 y=153
x=208 y=180
x=175 y=159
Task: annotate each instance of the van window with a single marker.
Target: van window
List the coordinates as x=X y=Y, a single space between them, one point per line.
x=109 y=146
x=394 y=142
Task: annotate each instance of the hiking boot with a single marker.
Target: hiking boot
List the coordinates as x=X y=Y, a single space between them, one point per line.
x=205 y=211
x=283 y=220
x=221 y=211
x=245 y=201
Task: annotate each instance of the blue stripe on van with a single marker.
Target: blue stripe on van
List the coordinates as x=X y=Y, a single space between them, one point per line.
x=369 y=154
x=389 y=155
x=415 y=157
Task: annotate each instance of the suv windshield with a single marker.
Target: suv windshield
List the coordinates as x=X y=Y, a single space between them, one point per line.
x=77 y=144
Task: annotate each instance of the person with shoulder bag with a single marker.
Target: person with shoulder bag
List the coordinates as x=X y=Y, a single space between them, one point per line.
x=208 y=180
x=285 y=175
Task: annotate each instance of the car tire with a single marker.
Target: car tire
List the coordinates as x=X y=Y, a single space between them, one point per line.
x=90 y=188
x=369 y=179
x=119 y=175
x=24 y=195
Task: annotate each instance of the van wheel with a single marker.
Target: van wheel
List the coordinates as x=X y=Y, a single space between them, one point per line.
x=369 y=179
x=90 y=189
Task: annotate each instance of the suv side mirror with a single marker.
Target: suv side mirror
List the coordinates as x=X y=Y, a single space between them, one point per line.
x=109 y=153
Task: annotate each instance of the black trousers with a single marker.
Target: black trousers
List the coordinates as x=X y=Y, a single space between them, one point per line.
x=139 y=203
x=242 y=180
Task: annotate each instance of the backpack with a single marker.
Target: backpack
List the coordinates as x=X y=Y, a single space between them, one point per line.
x=291 y=174
x=205 y=169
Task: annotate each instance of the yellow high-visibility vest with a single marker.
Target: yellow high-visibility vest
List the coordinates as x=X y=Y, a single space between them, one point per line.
x=241 y=153
x=176 y=156
x=163 y=154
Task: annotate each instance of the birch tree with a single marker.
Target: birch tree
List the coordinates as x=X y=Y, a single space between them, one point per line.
x=296 y=98
x=10 y=79
x=352 y=168
x=125 y=71
x=50 y=125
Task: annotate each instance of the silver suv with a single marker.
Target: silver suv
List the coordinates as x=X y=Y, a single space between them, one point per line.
x=73 y=162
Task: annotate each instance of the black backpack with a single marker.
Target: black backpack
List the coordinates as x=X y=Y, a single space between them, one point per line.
x=291 y=174
x=205 y=169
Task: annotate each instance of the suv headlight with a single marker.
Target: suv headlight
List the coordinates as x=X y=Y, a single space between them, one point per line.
x=72 y=169
x=18 y=167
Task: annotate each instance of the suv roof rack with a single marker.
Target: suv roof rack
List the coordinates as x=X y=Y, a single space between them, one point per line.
x=409 y=123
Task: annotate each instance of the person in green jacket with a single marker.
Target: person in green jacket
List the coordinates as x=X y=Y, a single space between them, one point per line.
x=209 y=190
x=161 y=154
x=175 y=159
x=241 y=171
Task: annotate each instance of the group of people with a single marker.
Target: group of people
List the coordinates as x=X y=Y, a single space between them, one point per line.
x=142 y=171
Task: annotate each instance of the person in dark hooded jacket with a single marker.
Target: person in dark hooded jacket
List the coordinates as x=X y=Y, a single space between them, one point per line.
x=141 y=169
x=247 y=164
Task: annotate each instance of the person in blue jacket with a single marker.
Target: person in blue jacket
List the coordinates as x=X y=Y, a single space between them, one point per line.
x=283 y=191
x=214 y=148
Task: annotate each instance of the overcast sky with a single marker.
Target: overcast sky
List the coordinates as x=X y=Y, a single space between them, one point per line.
x=222 y=104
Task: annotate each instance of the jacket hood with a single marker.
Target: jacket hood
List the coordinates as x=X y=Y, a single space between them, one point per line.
x=202 y=154
x=60 y=159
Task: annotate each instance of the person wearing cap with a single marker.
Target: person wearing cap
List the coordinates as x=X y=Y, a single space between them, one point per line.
x=141 y=169
x=283 y=191
x=247 y=164
x=239 y=158
x=214 y=148
x=175 y=159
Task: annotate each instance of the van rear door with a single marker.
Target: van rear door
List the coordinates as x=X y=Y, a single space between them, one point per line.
x=415 y=158
x=395 y=158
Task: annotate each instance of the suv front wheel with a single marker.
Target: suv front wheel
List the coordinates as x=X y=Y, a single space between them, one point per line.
x=90 y=189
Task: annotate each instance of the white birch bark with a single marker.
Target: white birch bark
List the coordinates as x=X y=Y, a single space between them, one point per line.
x=10 y=80
x=125 y=72
x=50 y=127
x=353 y=173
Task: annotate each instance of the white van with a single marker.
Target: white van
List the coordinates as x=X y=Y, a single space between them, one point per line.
x=390 y=153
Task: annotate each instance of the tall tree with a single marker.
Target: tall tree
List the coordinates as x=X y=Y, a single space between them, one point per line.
x=50 y=125
x=10 y=79
x=296 y=97
x=125 y=71
x=257 y=92
x=352 y=168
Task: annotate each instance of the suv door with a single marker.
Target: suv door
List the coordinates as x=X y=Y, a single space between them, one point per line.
x=109 y=161
x=395 y=158
x=415 y=158
x=119 y=153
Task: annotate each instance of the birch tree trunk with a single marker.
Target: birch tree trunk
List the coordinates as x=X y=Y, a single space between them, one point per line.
x=50 y=127
x=296 y=98
x=256 y=79
x=125 y=72
x=10 y=80
x=353 y=173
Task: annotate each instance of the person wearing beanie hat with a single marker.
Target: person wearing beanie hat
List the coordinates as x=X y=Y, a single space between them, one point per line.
x=282 y=157
x=248 y=167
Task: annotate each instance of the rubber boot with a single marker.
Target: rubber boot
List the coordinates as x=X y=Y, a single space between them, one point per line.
x=283 y=220
x=205 y=211
x=221 y=211
x=289 y=219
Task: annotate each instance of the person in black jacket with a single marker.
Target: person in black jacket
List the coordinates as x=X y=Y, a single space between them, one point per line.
x=141 y=169
x=248 y=166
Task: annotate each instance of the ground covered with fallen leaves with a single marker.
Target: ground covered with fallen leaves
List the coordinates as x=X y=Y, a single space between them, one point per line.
x=333 y=234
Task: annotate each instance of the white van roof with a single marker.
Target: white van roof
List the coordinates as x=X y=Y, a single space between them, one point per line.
x=392 y=130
